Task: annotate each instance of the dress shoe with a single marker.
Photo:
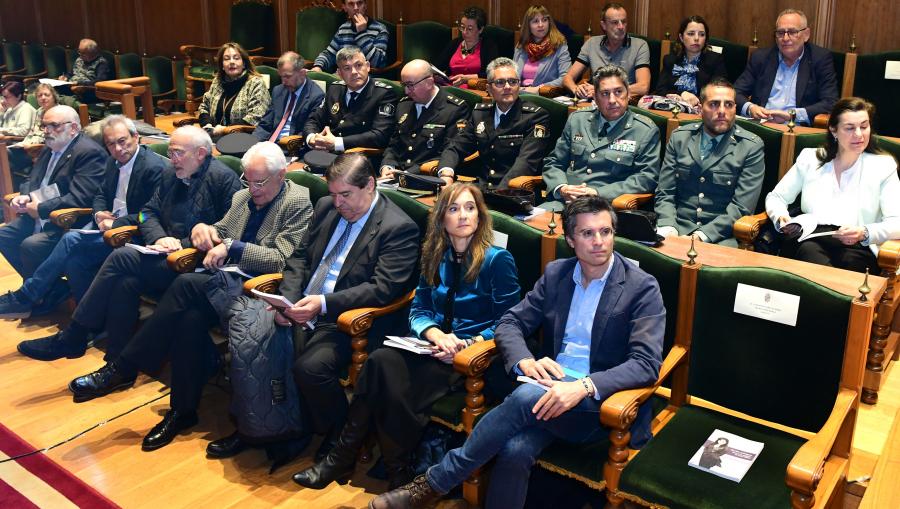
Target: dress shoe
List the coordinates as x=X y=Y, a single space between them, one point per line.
x=173 y=423
x=340 y=462
x=52 y=347
x=15 y=305
x=105 y=380
x=415 y=495
x=226 y=447
x=324 y=472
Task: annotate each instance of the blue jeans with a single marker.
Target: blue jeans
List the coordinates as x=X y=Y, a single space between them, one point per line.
x=512 y=433
x=78 y=256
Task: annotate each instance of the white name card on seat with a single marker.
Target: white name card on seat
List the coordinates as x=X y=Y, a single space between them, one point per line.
x=766 y=304
x=500 y=239
x=713 y=47
x=892 y=70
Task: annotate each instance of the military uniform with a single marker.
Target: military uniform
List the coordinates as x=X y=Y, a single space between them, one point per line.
x=516 y=147
x=709 y=194
x=421 y=139
x=626 y=160
x=368 y=123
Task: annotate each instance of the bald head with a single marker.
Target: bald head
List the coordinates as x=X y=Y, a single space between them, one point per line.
x=418 y=81
x=88 y=49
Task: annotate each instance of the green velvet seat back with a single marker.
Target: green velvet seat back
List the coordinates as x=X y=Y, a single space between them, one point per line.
x=232 y=162
x=789 y=375
x=655 y=47
x=55 y=58
x=129 y=66
x=391 y=55
x=180 y=87
x=159 y=70
x=559 y=113
x=33 y=58
x=272 y=73
x=735 y=56
x=316 y=184
x=315 y=28
x=111 y=60
x=416 y=210
x=504 y=38
x=869 y=82
x=425 y=40
x=322 y=77
x=160 y=148
x=524 y=243
x=772 y=147
x=892 y=147
x=470 y=97
x=12 y=55
x=253 y=25
x=660 y=122
x=204 y=72
x=660 y=472
x=808 y=140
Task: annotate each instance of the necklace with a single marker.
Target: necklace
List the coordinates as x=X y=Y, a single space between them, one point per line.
x=466 y=51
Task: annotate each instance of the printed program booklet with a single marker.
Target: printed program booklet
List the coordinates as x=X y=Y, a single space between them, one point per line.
x=726 y=455
x=410 y=344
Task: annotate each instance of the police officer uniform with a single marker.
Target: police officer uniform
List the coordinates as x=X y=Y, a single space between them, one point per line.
x=368 y=121
x=625 y=160
x=709 y=194
x=421 y=138
x=516 y=147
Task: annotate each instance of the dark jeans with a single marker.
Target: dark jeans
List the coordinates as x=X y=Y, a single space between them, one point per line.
x=23 y=248
x=78 y=255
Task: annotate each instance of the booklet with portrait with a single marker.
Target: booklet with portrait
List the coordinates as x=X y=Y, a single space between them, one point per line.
x=726 y=455
x=410 y=344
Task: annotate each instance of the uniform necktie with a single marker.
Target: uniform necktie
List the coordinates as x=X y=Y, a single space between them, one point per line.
x=604 y=129
x=353 y=97
x=707 y=147
x=284 y=118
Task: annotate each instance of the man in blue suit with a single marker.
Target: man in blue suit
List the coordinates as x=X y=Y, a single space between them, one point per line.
x=603 y=321
x=292 y=101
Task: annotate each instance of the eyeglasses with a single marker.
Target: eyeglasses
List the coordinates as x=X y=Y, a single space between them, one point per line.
x=413 y=85
x=176 y=153
x=255 y=185
x=500 y=83
x=790 y=33
x=604 y=233
x=52 y=126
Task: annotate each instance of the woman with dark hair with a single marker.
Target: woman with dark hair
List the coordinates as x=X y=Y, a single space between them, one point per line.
x=712 y=453
x=467 y=284
x=468 y=55
x=691 y=65
x=542 y=55
x=238 y=94
x=847 y=186
x=16 y=115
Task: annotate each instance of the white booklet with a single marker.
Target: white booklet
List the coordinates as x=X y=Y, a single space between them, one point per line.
x=726 y=455
x=229 y=268
x=278 y=302
x=85 y=231
x=145 y=250
x=807 y=224
x=410 y=344
x=45 y=193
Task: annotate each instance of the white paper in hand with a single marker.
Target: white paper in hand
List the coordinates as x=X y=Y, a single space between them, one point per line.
x=145 y=250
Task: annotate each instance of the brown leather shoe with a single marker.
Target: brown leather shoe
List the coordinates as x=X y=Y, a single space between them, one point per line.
x=416 y=495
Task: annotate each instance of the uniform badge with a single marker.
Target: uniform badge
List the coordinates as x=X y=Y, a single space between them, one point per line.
x=577 y=138
x=540 y=131
x=403 y=118
x=461 y=124
x=479 y=128
x=386 y=110
x=335 y=108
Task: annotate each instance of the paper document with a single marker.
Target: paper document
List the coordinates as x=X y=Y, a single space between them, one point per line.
x=45 y=193
x=726 y=455
x=145 y=250
x=83 y=231
x=278 y=302
x=535 y=211
x=226 y=268
x=54 y=82
x=808 y=225
x=410 y=344
x=766 y=304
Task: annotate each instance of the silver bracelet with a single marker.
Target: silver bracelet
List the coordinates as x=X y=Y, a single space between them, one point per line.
x=587 y=387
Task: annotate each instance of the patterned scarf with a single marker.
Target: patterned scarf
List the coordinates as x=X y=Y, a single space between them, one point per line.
x=686 y=72
x=538 y=50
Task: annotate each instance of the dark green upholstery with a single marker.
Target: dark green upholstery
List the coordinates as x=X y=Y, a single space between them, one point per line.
x=327 y=77
x=416 y=210
x=160 y=148
x=272 y=73
x=391 y=56
x=735 y=56
x=12 y=55
x=315 y=28
x=869 y=82
x=33 y=59
x=180 y=90
x=425 y=40
x=660 y=122
x=55 y=59
x=524 y=244
x=808 y=140
x=111 y=60
x=232 y=162
x=162 y=79
x=655 y=47
x=206 y=72
x=316 y=185
x=129 y=66
x=253 y=25
x=772 y=141
x=890 y=146
x=559 y=113
x=504 y=38
x=660 y=472
x=448 y=409
x=840 y=59
x=470 y=97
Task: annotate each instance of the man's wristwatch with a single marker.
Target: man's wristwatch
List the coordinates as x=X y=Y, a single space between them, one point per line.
x=865 y=239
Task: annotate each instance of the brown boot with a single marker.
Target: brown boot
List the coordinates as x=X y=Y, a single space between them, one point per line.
x=416 y=495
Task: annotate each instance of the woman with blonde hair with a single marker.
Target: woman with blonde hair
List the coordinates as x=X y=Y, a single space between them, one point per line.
x=238 y=94
x=542 y=55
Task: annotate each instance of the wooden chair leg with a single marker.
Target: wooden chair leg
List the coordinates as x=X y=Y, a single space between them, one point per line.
x=615 y=464
x=358 y=357
x=473 y=489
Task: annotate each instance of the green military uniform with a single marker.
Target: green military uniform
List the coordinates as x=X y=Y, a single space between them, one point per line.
x=422 y=138
x=709 y=194
x=367 y=122
x=516 y=147
x=626 y=160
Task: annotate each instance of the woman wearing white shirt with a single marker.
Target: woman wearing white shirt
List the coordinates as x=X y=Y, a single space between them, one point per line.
x=848 y=185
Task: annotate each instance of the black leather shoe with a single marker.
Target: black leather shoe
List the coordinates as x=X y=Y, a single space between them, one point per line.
x=328 y=443
x=226 y=447
x=105 y=380
x=322 y=473
x=52 y=347
x=173 y=423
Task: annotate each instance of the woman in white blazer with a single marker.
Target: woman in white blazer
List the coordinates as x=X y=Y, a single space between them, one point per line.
x=847 y=185
x=541 y=55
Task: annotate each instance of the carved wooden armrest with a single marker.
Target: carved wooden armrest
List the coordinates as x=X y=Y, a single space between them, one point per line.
x=807 y=466
x=292 y=144
x=267 y=283
x=65 y=217
x=8 y=197
x=474 y=359
x=631 y=201
x=118 y=237
x=10 y=139
x=619 y=410
x=551 y=91
x=428 y=167
x=192 y=51
x=366 y=151
x=261 y=60
x=477 y=84
x=528 y=182
x=237 y=129
x=184 y=260
x=747 y=228
x=186 y=121
x=889 y=257
x=821 y=120
x=359 y=320
x=80 y=90
x=123 y=85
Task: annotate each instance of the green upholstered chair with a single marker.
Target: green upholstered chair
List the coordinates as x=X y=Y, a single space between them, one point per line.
x=253 y=26
x=272 y=73
x=316 y=185
x=504 y=38
x=425 y=40
x=232 y=162
x=160 y=148
x=655 y=47
x=735 y=56
x=891 y=146
x=33 y=58
x=840 y=59
x=871 y=84
x=129 y=65
x=13 y=58
x=805 y=377
x=315 y=28
x=324 y=79
x=772 y=139
x=161 y=71
x=55 y=58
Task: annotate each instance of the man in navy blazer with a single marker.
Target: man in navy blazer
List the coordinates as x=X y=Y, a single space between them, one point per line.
x=795 y=74
x=307 y=96
x=71 y=161
x=603 y=321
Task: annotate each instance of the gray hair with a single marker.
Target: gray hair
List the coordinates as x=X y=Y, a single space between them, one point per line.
x=798 y=12
x=499 y=62
x=292 y=58
x=271 y=154
x=90 y=45
x=68 y=113
x=110 y=121
x=609 y=71
x=199 y=138
x=347 y=53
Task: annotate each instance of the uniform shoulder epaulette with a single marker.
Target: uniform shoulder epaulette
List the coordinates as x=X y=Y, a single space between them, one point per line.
x=382 y=85
x=339 y=82
x=455 y=100
x=531 y=108
x=590 y=107
x=484 y=106
x=742 y=133
x=644 y=120
x=405 y=98
x=693 y=126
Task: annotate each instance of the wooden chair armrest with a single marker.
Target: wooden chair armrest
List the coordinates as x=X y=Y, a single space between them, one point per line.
x=356 y=321
x=366 y=151
x=81 y=90
x=267 y=283
x=33 y=150
x=477 y=84
x=8 y=197
x=189 y=50
x=631 y=201
x=262 y=60
x=167 y=105
x=475 y=358
x=619 y=410
x=184 y=260
x=237 y=129
x=528 y=182
x=10 y=139
x=747 y=228
x=551 y=91
x=291 y=144
x=428 y=167
x=65 y=217
x=808 y=464
x=122 y=86
x=889 y=257
x=186 y=121
x=821 y=120
x=118 y=237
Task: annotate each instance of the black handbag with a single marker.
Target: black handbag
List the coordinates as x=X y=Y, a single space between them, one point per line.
x=513 y=202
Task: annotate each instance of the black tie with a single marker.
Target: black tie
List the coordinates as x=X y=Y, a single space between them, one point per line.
x=353 y=97
x=604 y=129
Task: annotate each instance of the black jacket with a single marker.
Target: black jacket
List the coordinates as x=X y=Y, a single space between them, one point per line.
x=369 y=123
x=711 y=65
x=145 y=174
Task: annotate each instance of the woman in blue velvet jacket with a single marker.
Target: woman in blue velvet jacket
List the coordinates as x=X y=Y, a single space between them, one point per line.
x=467 y=284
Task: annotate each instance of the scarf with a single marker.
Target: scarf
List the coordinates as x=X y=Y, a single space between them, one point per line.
x=538 y=50
x=686 y=72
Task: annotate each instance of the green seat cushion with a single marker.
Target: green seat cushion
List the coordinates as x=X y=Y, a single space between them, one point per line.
x=315 y=28
x=206 y=72
x=232 y=162
x=416 y=210
x=316 y=185
x=660 y=472
x=524 y=243
x=448 y=409
x=772 y=152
